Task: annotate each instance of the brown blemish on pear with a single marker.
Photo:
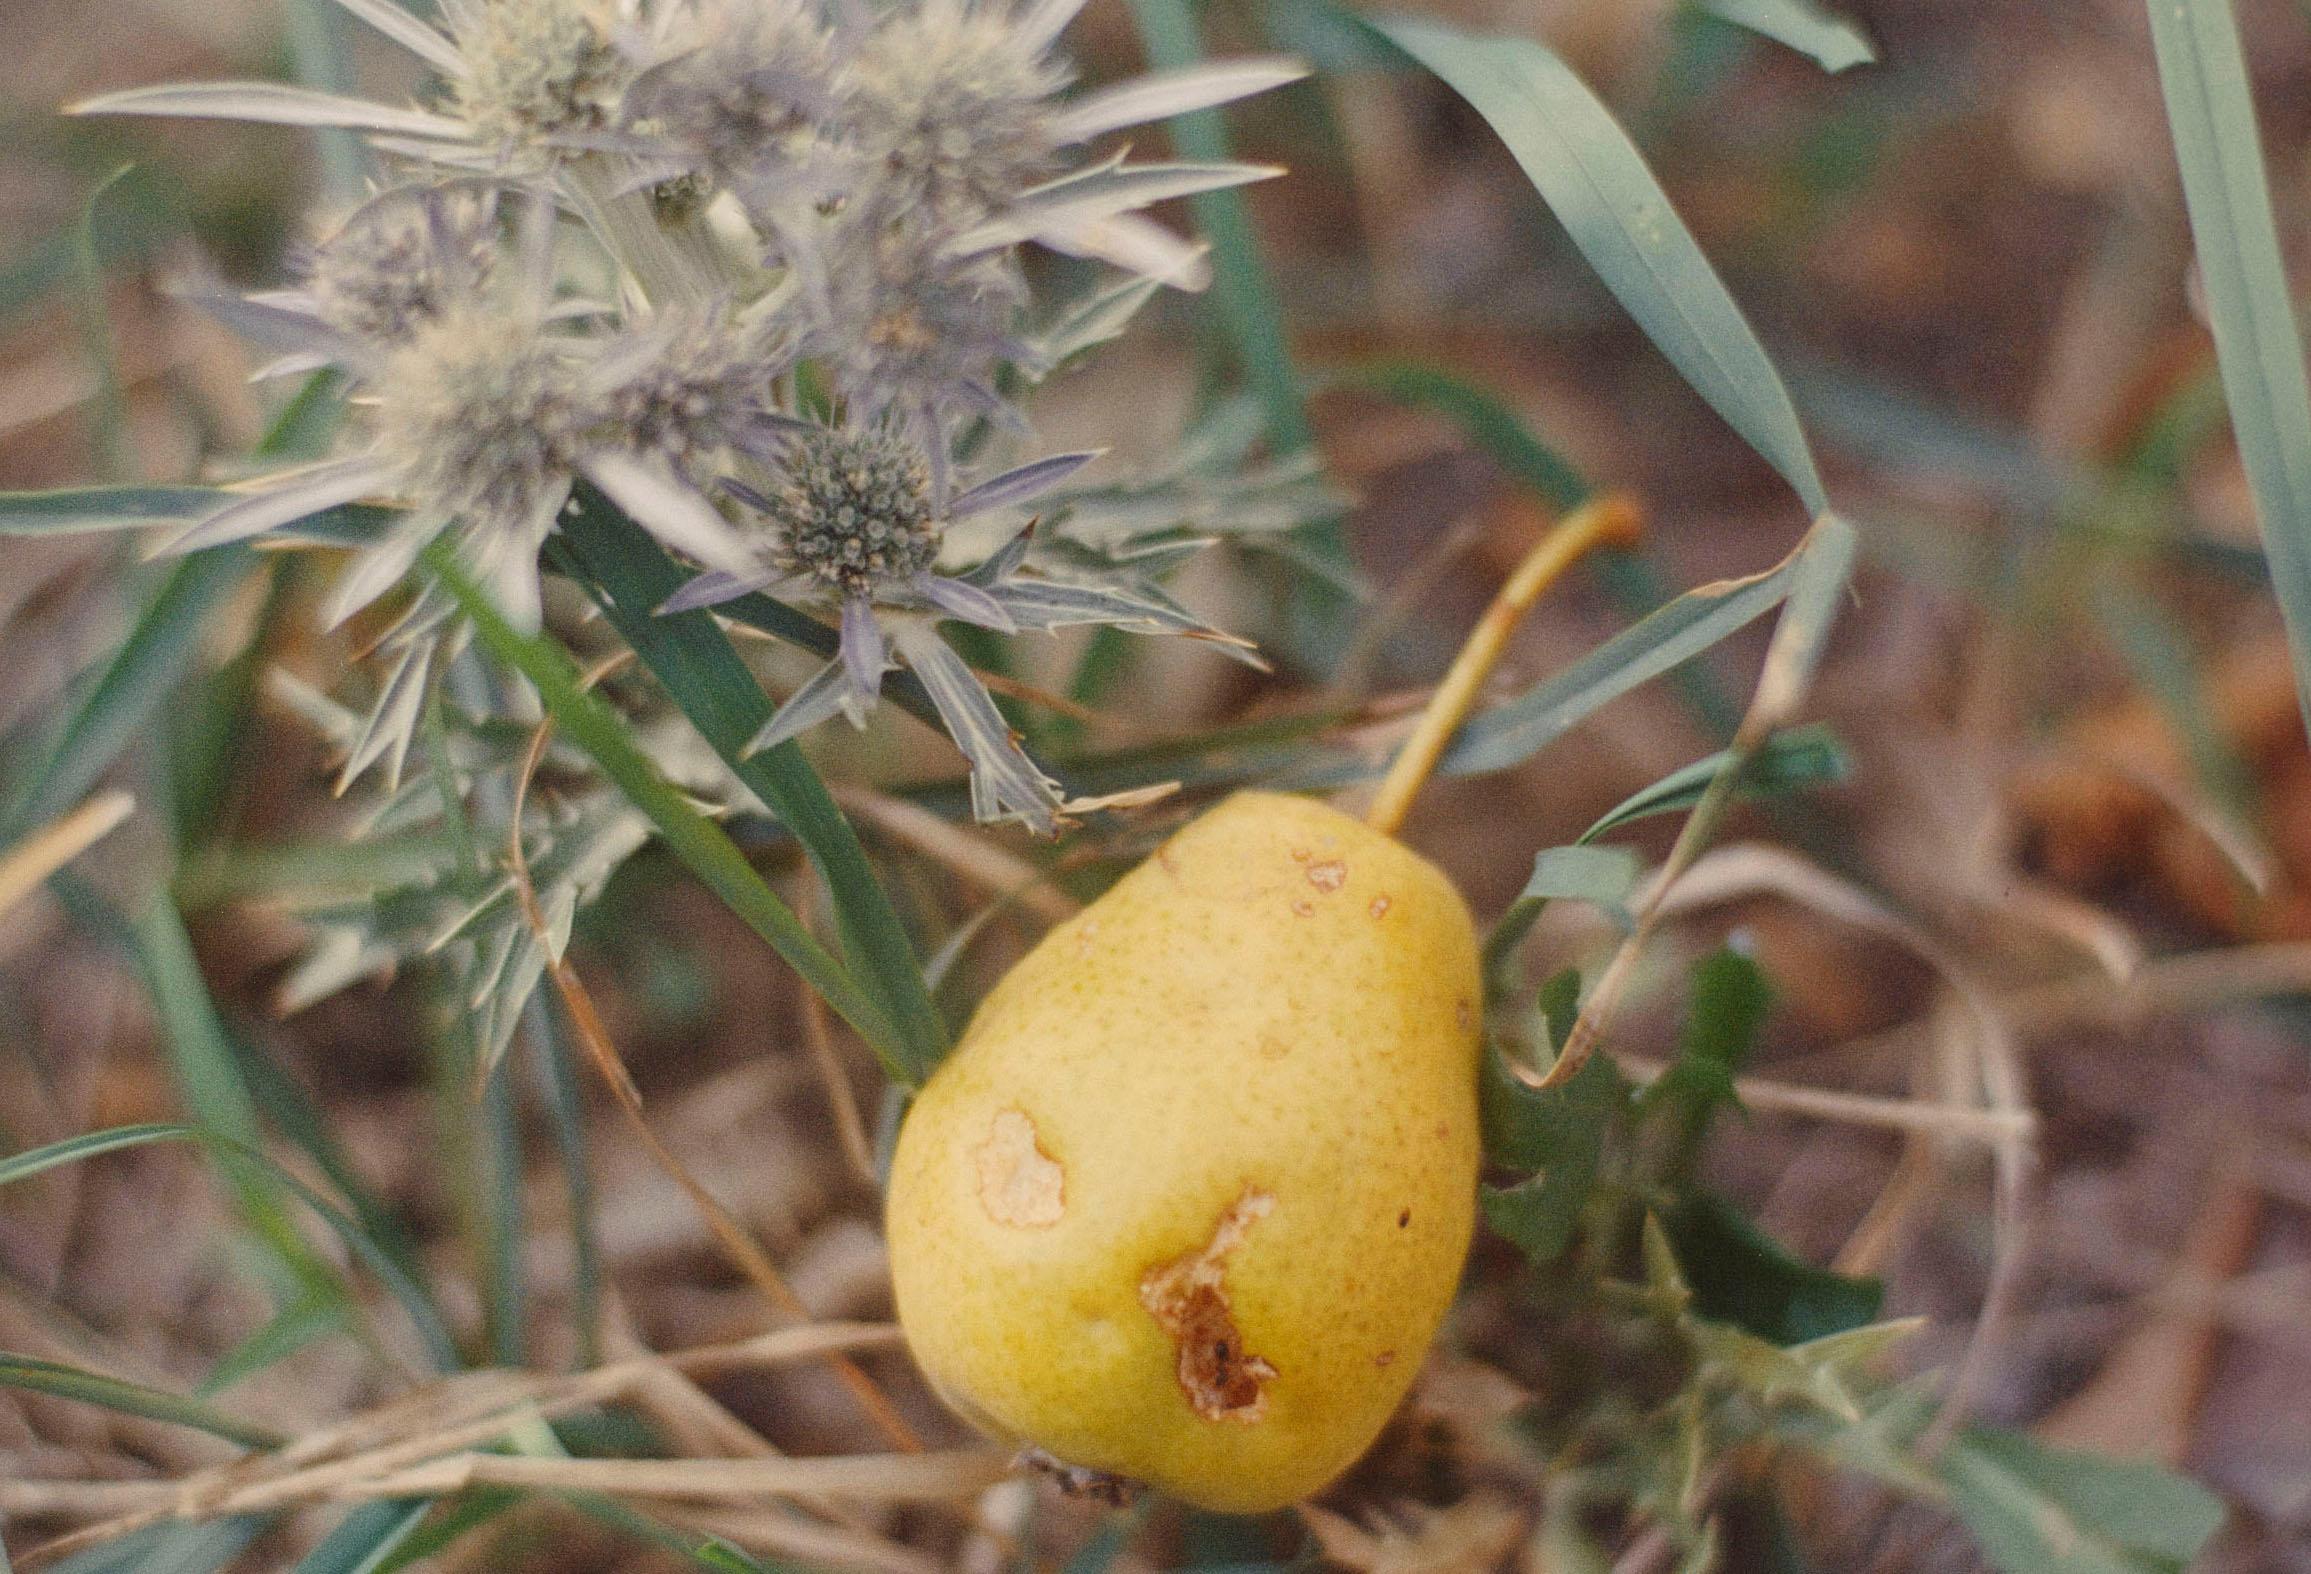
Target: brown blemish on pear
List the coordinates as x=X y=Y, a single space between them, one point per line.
x=1188 y=1299
x=1328 y=876
x=1019 y=1184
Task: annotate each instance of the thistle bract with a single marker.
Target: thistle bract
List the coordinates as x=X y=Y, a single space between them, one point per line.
x=751 y=270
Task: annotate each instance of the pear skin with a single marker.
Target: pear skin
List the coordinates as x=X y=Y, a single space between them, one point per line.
x=1190 y=1198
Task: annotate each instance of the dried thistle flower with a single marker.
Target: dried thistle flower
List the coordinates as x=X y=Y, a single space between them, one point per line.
x=536 y=69
x=948 y=105
x=891 y=168
x=401 y=261
x=742 y=98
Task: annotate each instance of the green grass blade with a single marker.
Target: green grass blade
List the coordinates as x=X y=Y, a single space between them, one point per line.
x=2258 y=345
x=1503 y=436
x=1242 y=289
x=88 y=1145
x=1684 y=628
x=300 y=1323
x=108 y=413
x=208 y=1076
x=702 y=845
x=113 y=1393
x=291 y=1111
x=465 y=1513
x=405 y=1288
x=1789 y=762
x=559 y=1073
x=1833 y=42
x=135 y=684
x=1592 y=176
x=630 y=575
x=72 y=510
x=366 y=1538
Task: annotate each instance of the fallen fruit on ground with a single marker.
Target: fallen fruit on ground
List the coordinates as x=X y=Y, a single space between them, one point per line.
x=1189 y=1200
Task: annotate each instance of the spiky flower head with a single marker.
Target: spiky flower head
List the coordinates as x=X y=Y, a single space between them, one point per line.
x=538 y=69
x=742 y=96
x=903 y=328
x=949 y=105
x=476 y=412
x=683 y=388
x=401 y=262
x=854 y=511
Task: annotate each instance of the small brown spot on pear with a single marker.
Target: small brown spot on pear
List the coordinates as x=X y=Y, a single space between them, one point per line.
x=1328 y=876
x=1188 y=1299
x=1379 y=907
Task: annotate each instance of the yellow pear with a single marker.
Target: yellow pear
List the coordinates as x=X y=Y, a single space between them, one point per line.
x=1190 y=1198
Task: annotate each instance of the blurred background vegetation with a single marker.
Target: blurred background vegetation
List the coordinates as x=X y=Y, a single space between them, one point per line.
x=2077 y=773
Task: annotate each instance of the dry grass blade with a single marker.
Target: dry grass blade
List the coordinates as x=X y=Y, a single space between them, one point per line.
x=1863 y=1109
x=866 y=1478
x=468 y=1411
x=842 y=1100
x=31 y=861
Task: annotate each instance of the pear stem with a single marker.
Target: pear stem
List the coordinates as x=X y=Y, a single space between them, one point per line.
x=1612 y=520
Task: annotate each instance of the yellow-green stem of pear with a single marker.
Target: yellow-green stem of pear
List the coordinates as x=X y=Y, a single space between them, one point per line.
x=1613 y=520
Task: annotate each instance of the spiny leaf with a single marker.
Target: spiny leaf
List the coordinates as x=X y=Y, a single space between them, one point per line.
x=1730 y=999
x=696 y=840
x=1741 y=1275
x=1561 y=1133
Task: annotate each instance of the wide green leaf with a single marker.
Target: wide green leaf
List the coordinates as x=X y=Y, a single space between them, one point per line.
x=2258 y=344
x=2041 y=1510
x=1741 y=1275
x=1594 y=179
x=1604 y=877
